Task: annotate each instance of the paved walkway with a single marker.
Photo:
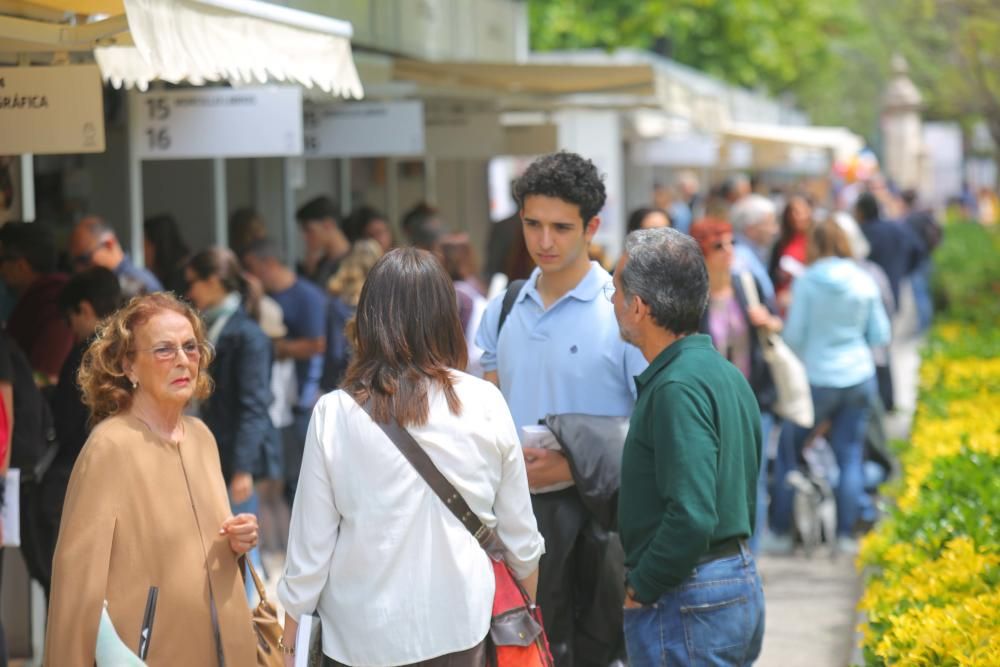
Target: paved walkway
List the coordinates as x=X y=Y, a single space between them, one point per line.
x=812 y=602
x=810 y=611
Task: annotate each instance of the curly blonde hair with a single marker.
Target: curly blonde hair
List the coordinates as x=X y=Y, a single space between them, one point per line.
x=106 y=389
x=353 y=271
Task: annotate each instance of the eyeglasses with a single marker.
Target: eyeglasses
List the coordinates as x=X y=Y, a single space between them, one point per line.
x=724 y=245
x=609 y=291
x=83 y=259
x=166 y=352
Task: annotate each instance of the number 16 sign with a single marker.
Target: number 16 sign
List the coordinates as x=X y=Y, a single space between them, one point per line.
x=191 y=123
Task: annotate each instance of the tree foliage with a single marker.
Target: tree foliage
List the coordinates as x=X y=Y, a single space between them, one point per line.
x=772 y=45
x=953 y=47
x=833 y=56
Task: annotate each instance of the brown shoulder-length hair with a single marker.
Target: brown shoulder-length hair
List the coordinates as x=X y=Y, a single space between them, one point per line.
x=406 y=335
x=106 y=389
x=222 y=262
x=828 y=239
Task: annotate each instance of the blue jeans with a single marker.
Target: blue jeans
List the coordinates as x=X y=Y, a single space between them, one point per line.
x=250 y=506
x=716 y=617
x=293 y=443
x=848 y=410
x=760 y=522
x=920 y=281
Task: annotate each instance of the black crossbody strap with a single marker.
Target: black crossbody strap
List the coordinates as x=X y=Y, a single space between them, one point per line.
x=439 y=484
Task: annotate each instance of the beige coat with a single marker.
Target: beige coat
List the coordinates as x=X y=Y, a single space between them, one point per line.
x=141 y=511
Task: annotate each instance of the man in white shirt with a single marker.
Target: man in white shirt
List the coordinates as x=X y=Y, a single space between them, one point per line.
x=559 y=352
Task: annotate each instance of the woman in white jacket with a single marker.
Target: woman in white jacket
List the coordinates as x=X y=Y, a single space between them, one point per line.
x=395 y=577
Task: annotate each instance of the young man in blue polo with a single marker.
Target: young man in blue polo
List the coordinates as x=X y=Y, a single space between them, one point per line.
x=559 y=352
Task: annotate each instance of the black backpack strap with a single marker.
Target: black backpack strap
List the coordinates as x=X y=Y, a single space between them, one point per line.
x=509 y=297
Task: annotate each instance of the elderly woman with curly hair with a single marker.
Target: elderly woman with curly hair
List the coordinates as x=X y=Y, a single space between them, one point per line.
x=147 y=505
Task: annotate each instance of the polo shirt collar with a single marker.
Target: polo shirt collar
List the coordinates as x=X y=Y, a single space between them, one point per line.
x=124 y=266
x=587 y=289
x=670 y=353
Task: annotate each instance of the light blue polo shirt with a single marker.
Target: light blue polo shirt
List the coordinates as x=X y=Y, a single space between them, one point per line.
x=567 y=359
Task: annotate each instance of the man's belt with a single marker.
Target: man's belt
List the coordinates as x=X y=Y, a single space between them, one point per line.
x=730 y=547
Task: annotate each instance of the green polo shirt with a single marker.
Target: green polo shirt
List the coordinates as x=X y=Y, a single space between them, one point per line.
x=690 y=465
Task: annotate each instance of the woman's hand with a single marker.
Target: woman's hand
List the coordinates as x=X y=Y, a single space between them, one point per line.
x=288 y=639
x=242 y=532
x=760 y=316
x=241 y=487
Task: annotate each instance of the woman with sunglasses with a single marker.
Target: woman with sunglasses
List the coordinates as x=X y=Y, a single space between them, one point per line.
x=237 y=411
x=730 y=320
x=148 y=547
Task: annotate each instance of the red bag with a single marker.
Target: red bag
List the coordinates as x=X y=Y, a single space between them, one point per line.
x=4 y=439
x=517 y=635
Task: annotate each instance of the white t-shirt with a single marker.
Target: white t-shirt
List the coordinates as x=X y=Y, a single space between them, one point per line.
x=395 y=577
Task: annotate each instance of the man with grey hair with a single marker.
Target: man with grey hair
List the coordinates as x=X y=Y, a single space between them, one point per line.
x=755 y=229
x=689 y=470
x=94 y=243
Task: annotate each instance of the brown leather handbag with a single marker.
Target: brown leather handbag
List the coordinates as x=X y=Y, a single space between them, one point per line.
x=266 y=626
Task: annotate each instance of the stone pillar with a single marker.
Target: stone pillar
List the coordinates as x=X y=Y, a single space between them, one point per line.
x=902 y=128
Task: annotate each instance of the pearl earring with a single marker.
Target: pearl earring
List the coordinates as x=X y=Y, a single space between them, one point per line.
x=135 y=385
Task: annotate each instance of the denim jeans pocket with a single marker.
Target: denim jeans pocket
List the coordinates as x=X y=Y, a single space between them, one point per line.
x=643 y=638
x=717 y=622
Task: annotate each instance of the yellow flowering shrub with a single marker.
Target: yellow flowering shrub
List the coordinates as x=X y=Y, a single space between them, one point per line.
x=970 y=423
x=932 y=595
x=963 y=632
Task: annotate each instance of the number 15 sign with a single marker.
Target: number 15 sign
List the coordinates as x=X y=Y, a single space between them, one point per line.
x=263 y=121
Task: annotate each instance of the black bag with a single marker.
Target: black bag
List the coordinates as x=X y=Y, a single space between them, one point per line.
x=338 y=351
x=33 y=448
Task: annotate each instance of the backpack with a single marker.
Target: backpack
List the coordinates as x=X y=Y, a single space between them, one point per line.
x=33 y=448
x=338 y=352
x=33 y=442
x=927 y=228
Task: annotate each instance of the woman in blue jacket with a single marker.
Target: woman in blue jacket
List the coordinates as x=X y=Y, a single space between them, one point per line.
x=236 y=412
x=835 y=318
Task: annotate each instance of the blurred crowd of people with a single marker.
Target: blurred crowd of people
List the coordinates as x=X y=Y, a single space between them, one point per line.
x=829 y=277
x=778 y=262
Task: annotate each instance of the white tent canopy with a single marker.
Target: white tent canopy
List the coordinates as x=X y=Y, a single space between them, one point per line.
x=839 y=140
x=198 y=41
x=193 y=41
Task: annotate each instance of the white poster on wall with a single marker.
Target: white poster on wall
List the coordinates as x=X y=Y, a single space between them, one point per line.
x=597 y=136
x=690 y=150
x=945 y=157
x=261 y=121
x=48 y=110
x=364 y=129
